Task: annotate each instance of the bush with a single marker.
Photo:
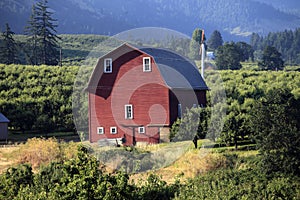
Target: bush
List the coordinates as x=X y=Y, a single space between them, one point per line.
x=41 y=151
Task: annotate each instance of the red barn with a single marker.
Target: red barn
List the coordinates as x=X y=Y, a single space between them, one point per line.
x=135 y=94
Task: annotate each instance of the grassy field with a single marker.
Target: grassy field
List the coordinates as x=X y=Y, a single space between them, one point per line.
x=189 y=163
x=15 y=137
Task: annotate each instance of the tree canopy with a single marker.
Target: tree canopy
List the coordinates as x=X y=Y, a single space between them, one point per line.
x=228 y=56
x=215 y=40
x=271 y=59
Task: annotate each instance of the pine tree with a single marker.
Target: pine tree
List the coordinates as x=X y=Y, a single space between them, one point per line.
x=215 y=40
x=32 y=42
x=8 y=50
x=271 y=59
x=228 y=56
x=43 y=38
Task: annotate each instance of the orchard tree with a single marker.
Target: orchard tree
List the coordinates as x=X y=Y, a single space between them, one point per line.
x=44 y=41
x=192 y=126
x=195 y=44
x=8 y=49
x=271 y=59
x=228 y=56
x=276 y=127
x=215 y=40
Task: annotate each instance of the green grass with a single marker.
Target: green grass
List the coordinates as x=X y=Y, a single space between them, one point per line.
x=18 y=136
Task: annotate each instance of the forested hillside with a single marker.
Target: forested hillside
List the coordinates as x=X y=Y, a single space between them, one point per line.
x=235 y=19
x=286 y=42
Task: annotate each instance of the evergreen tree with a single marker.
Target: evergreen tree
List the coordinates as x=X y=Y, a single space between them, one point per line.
x=271 y=59
x=43 y=35
x=32 y=42
x=8 y=50
x=215 y=40
x=246 y=51
x=228 y=56
x=195 y=44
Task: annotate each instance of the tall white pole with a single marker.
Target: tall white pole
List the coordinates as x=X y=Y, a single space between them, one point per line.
x=202 y=59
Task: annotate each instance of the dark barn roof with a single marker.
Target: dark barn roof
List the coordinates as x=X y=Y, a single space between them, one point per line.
x=3 y=119
x=177 y=71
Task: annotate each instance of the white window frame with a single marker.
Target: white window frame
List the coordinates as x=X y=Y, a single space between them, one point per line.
x=100 y=130
x=112 y=128
x=105 y=65
x=141 y=129
x=144 y=64
x=126 y=113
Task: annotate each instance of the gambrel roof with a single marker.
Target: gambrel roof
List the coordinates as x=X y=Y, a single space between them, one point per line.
x=177 y=71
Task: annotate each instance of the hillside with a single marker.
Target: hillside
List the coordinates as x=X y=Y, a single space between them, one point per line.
x=236 y=19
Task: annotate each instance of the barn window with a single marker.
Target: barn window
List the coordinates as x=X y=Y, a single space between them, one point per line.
x=179 y=111
x=141 y=129
x=113 y=130
x=128 y=111
x=100 y=130
x=107 y=65
x=146 y=64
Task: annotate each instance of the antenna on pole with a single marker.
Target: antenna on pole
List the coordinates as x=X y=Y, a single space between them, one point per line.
x=202 y=54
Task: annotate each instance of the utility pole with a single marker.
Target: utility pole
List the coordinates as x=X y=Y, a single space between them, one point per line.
x=202 y=54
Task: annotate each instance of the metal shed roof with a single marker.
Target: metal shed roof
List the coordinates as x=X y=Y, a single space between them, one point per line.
x=3 y=119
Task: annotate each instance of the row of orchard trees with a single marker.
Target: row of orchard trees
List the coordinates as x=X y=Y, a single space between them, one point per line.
x=37 y=97
x=260 y=107
x=41 y=46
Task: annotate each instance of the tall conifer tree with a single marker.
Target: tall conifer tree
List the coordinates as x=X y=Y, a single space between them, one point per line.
x=44 y=41
x=8 y=50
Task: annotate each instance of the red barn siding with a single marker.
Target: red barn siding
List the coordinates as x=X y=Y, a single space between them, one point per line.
x=128 y=84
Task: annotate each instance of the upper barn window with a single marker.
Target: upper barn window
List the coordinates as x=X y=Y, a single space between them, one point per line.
x=107 y=65
x=146 y=64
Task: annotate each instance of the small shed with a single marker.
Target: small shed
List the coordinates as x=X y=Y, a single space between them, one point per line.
x=3 y=127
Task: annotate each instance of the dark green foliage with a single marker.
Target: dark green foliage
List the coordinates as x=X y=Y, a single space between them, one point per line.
x=276 y=126
x=215 y=40
x=14 y=180
x=43 y=40
x=8 y=48
x=228 y=56
x=286 y=42
x=271 y=59
x=246 y=51
x=240 y=184
x=157 y=189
